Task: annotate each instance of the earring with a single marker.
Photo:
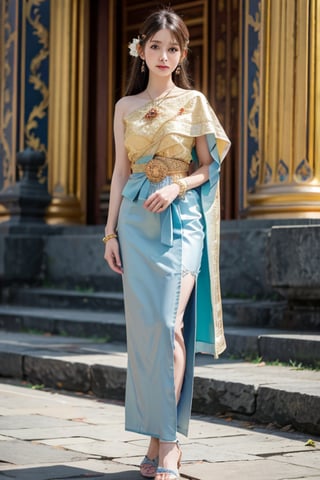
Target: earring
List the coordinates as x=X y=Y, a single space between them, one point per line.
x=178 y=70
x=143 y=68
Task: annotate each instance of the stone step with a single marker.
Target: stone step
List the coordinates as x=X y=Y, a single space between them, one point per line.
x=237 y=312
x=283 y=396
x=254 y=313
x=243 y=342
x=109 y=326
x=271 y=314
x=64 y=298
x=272 y=345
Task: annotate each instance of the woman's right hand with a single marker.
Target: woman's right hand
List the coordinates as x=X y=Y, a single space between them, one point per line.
x=112 y=255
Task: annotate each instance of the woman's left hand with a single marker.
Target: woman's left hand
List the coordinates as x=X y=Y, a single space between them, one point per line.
x=158 y=201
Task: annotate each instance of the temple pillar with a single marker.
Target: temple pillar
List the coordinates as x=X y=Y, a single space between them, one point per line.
x=281 y=146
x=24 y=94
x=67 y=135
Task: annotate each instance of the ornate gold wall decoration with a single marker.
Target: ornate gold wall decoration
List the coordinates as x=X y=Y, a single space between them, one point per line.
x=8 y=67
x=253 y=117
x=254 y=165
x=303 y=172
x=250 y=79
x=282 y=171
x=267 y=173
x=8 y=72
x=33 y=17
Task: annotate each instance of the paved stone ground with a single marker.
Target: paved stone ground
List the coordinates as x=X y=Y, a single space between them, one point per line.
x=264 y=393
x=50 y=435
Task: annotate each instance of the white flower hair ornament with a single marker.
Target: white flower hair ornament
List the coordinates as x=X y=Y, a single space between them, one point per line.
x=133 y=51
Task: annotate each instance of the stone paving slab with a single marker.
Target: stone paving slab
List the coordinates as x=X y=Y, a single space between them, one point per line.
x=105 y=449
x=62 y=442
x=94 y=432
x=216 y=447
x=253 y=444
x=306 y=459
x=31 y=422
x=264 y=469
x=22 y=453
x=191 y=455
x=278 y=394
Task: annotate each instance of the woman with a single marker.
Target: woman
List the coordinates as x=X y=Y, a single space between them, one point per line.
x=164 y=212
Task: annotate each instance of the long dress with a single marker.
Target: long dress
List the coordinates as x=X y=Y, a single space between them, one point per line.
x=157 y=249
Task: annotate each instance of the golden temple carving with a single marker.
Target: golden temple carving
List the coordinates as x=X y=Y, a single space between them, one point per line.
x=253 y=126
x=8 y=43
x=39 y=111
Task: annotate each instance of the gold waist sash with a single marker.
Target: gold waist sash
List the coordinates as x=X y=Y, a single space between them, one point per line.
x=159 y=168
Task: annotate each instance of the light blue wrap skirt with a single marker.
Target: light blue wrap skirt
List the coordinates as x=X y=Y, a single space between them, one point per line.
x=153 y=268
x=157 y=249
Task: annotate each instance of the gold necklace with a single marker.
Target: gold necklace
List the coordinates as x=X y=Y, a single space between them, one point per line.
x=154 y=112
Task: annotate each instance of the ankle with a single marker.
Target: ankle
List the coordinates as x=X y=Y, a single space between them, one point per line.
x=153 y=449
x=169 y=454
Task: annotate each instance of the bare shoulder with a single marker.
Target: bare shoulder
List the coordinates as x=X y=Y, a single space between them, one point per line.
x=129 y=103
x=121 y=105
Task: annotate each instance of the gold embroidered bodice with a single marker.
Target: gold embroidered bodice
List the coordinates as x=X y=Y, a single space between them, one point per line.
x=181 y=118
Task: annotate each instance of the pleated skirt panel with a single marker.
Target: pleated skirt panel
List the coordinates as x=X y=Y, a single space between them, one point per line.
x=152 y=283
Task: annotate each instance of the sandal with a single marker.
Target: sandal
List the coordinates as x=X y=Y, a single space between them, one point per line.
x=149 y=467
x=169 y=473
x=166 y=474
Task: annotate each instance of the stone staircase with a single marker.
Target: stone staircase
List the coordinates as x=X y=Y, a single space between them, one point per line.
x=254 y=329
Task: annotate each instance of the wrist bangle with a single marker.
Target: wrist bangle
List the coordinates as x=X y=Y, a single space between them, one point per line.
x=182 y=184
x=108 y=237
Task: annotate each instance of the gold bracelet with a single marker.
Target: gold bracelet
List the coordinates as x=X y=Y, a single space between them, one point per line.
x=108 y=237
x=182 y=184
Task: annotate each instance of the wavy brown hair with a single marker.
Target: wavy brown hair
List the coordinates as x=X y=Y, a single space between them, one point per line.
x=159 y=20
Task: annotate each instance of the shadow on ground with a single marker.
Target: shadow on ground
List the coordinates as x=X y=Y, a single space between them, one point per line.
x=64 y=472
